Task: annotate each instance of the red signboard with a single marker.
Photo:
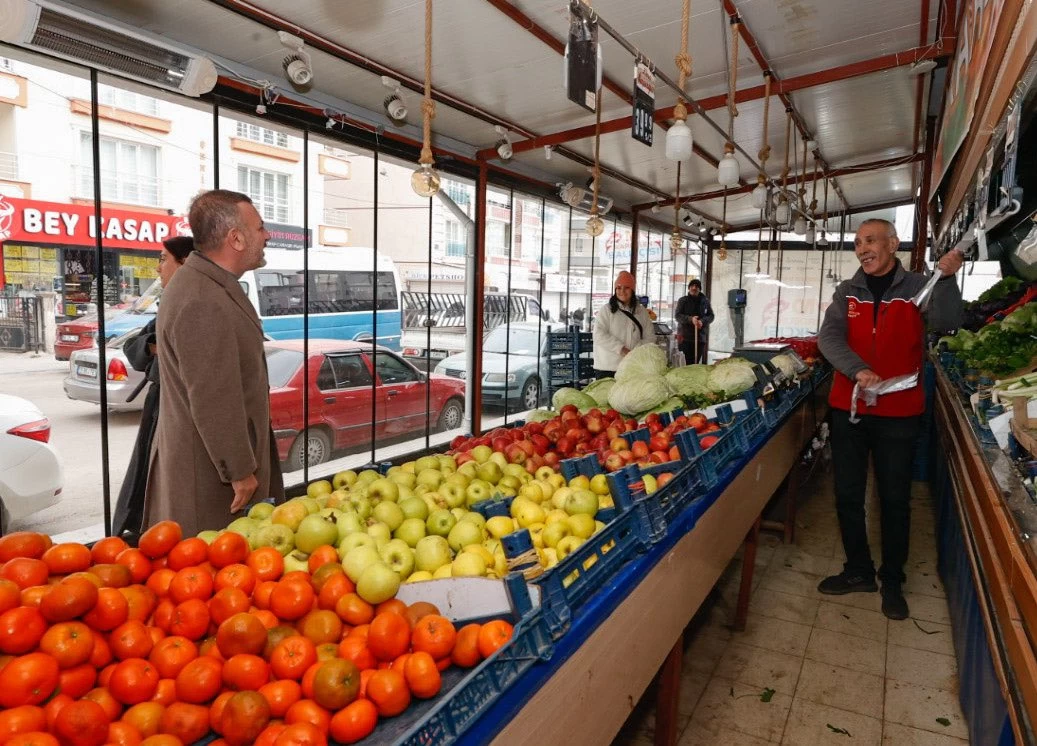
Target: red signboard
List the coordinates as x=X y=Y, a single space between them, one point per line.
x=35 y=222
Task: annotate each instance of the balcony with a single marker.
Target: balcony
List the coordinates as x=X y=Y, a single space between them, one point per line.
x=9 y=166
x=133 y=189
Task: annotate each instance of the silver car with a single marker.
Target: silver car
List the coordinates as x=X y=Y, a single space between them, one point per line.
x=124 y=383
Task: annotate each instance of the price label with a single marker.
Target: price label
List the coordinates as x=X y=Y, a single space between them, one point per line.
x=643 y=125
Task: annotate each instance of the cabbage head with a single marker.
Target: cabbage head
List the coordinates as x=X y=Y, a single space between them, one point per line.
x=689 y=381
x=639 y=395
x=566 y=396
x=541 y=415
x=667 y=406
x=785 y=364
x=730 y=380
x=641 y=362
x=599 y=391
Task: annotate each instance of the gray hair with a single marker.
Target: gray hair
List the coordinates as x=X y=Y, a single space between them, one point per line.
x=213 y=215
x=891 y=230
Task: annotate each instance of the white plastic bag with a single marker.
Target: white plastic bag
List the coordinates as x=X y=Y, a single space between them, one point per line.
x=871 y=394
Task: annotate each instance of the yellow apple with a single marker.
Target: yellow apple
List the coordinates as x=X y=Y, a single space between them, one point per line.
x=580 y=482
x=599 y=484
x=582 y=525
x=500 y=525
x=417 y=577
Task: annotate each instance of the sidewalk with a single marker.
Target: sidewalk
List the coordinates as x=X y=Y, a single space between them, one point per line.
x=29 y=362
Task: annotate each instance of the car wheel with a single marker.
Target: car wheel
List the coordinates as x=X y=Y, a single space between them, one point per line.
x=452 y=415
x=317 y=447
x=531 y=394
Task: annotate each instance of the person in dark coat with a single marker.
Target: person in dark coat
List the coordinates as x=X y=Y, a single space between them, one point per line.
x=140 y=351
x=694 y=314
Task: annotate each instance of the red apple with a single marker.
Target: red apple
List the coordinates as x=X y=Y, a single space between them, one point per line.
x=583 y=448
x=535 y=428
x=658 y=457
x=708 y=441
x=631 y=425
x=457 y=442
x=565 y=446
x=551 y=459
x=675 y=453
x=594 y=425
x=619 y=445
x=515 y=454
x=712 y=427
x=531 y=467
x=640 y=449
x=541 y=444
x=652 y=417
x=698 y=421
x=627 y=456
x=500 y=444
x=570 y=409
x=613 y=461
x=526 y=446
x=663 y=479
x=463 y=458
x=613 y=432
x=659 y=442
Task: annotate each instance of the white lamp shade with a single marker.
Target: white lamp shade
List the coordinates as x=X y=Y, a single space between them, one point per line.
x=678 y=142
x=782 y=213
x=800 y=226
x=809 y=235
x=822 y=242
x=727 y=171
x=759 y=196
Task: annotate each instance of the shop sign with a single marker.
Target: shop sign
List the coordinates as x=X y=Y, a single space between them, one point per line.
x=32 y=221
x=643 y=125
x=560 y=283
x=440 y=275
x=976 y=33
x=291 y=237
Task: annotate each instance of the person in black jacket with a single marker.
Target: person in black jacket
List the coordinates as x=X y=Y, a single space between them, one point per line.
x=693 y=315
x=140 y=351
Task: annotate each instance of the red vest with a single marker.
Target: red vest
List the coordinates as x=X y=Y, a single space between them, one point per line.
x=892 y=346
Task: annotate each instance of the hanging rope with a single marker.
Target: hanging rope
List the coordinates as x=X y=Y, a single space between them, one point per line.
x=803 y=183
x=722 y=250
x=428 y=106
x=683 y=62
x=597 y=148
x=813 y=195
x=733 y=77
x=765 y=151
x=785 y=170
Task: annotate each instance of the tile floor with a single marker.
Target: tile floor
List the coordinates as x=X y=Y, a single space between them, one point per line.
x=839 y=671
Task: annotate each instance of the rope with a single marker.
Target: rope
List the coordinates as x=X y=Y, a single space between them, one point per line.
x=733 y=77
x=677 y=203
x=803 y=184
x=597 y=148
x=535 y=570
x=428 y=106
x=683 y=59
x=765 y=151
x=813 y=195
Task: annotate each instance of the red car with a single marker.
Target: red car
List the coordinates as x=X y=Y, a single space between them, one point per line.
x=340 y=375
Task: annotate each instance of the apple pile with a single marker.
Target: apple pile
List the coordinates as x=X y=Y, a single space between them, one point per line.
x=163 y=643
x=571 y=435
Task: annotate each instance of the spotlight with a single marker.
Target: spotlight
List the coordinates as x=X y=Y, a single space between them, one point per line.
x=655 y=208
x=393 y=104
x=260 y=109
x=503 y=144
x=547 y=152
x=330 y=124
x=297 y=65
x=921 y=67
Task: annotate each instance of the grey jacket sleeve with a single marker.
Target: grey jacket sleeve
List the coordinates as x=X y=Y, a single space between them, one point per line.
x=832 y=338
x=946 y=311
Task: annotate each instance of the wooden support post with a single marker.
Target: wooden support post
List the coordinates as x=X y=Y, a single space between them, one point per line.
x=668 y=695
x=748 y=565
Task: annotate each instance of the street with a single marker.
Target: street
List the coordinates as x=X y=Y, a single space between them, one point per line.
x=76 y=435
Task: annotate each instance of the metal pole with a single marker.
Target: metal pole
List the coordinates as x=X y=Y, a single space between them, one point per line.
x=474 y=286
x=306 y=306
x=374 y=313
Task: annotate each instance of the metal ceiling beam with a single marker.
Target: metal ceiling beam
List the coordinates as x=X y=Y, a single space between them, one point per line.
x=795 y=179
x=754 y=93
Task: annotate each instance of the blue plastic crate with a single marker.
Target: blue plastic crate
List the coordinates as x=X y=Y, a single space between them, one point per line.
x=731 y=443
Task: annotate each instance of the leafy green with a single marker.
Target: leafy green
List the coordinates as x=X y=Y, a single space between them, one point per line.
x=1022 y=320
x=541 y=415
x=639 y=394
x=1001 y=289
x=731 y=379
x=641 y=362
x=840 y=731
x=566 y=396
x=599 y=390
x=943 y=721
x=766 y=694
x=998 y=350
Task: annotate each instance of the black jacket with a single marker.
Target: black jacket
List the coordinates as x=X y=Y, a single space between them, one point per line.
x=693 y=305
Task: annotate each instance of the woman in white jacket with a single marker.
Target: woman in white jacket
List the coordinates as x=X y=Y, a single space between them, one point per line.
x=621 y=325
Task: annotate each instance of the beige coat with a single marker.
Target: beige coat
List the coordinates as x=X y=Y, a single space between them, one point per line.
x=214 y=410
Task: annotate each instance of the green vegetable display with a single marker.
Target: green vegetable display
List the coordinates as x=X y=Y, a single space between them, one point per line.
x=599 y=390
x=572 y=396
x=638 y=395
x=1001 y=289
x=998 y=350
x=729 y=379
x=641 y=362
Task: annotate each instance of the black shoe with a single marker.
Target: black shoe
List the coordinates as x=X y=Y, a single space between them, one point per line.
x=846 y=582
x=894 y=605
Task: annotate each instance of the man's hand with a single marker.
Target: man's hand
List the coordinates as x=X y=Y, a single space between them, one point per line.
x=697 y=322
x=868 y=378
x=950 y=262
x=623 y=352
x=244 y=489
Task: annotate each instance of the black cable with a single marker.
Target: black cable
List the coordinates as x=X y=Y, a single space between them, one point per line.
x=306 y=309
x=428 y=335
x=374 y=314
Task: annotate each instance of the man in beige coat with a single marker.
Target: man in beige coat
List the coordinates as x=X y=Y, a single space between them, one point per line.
x=214 y=452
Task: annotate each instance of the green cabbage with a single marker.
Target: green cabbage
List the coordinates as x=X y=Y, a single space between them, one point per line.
x=541 y=415
x=639 y=395
x=599 y=390
x=566 y=396
x=641 y=362
x=689 y=381
x=785 y=364
x=731 y=379
x=667 y=406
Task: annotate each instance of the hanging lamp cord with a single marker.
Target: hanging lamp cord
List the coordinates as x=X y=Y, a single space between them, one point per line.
x=428 y=106
x=677 y=203
x=683 y=62
x=597 y=148
x=765 y=151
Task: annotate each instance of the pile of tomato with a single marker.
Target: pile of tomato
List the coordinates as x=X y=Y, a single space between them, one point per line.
x=164 y=643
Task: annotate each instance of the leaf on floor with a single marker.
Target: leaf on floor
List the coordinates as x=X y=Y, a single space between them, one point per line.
x=840 y=731
x=923 y=629
x=766 y=694
x=943 y=721
x=732 y=691
x=846 y=616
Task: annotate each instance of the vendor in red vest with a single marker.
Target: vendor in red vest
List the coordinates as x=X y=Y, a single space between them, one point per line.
x=872 y=331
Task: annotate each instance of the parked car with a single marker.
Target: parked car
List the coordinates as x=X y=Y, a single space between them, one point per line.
x=81 y=333
x=81 y=383
x=31 y=477
x=515 y=364
x=341 y=396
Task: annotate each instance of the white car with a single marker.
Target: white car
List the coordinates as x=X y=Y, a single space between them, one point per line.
x=31 y=477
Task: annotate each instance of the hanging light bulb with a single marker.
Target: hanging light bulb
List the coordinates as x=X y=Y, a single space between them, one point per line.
x=800 y=226
x=425 y=180
x=760 y=192
x=678 y=137
x=727 y=169
x=808 y=235
x=676 y=241
x=722 y=251
x=781 y=215
x=822 y=242
x=595 y=226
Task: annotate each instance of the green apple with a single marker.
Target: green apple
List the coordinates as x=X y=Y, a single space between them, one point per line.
x=359 y=559
x=536 y=532
x=367 y=476
x=566 y=545
x=490 y=472
x=337 y=499
x=351 y=542
x=276 y=535
x=431 y=478
x=468 y=469
x=509 y=480
x=581 y=501
x=411 y=531
x=476 y=492
x=331 y=513
x=318 y=488
x=388 y=513
x=599 y=484
x=426 y=462
x=453 y=494
x=463 y=534
x=409 y=467
x=544 y=473
x=506 y=490
x=312 y=506
x=462 y=478
x=555 y=532
x=447 y=463
x=514 y=470
x=378 y=583
x=550 y=557
x=384 y=489
x=315 y=531
x=406 y=493
x=344 y=479
x=398 y=555
x=527 y=512
x=431 y=553
x=297 y=562
x=547 y=487
x=481 y=454
x=458 y=513
x=379 y=531
x=418 y=576
x=260 y=511
x=244 y=526
x=472 y=517
x=403 y=478
x=560 y=496
x=440 y=522
x=362 y=506
x=500 y=459
x=468 y=565
x=349 y=523
x=582 y=525
x=289 y=514
x=532 y=491
x=500 y=525
x=442 y=572
x=208 y=536
x=414 y=507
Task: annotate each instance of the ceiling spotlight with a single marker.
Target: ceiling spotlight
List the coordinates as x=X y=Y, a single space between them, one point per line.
x=393 y=104
x=656 y=208
x=703 y=228
x=260 y=109
x=921 y=67
x=687 y=218
x=330 y=124
x=547 y=152
x=503 y=144
x=297 y=65
x=800 y=226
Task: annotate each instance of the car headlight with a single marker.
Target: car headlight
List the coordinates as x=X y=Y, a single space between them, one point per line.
x=500 y=378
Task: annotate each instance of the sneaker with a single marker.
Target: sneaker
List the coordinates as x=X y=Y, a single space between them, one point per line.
x=894 y=606
x=847 y=582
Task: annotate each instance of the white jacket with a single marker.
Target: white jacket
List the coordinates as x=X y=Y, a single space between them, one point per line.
x=614 y=331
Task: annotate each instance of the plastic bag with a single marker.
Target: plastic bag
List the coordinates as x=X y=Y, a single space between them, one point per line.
x=871 y=394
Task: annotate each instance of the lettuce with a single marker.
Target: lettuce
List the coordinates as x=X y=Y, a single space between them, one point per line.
x=565 y=396
x=689 y=381
x=731 y=379
x=599 y=391
x=667 y=406
x=541 y=415
x=639 y=395
x=785 y=364
x=642 y=362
